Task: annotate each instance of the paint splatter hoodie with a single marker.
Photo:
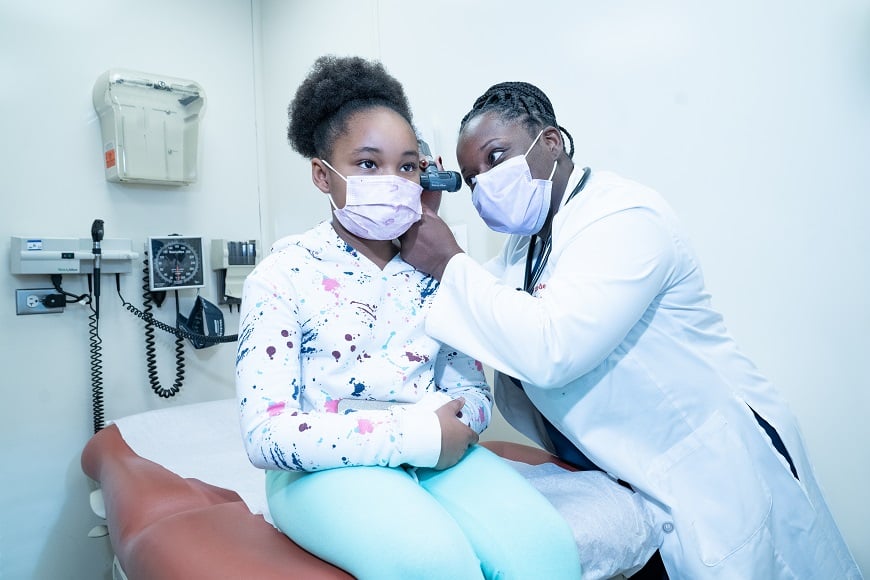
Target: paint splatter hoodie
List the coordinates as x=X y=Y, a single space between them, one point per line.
x=324 y=330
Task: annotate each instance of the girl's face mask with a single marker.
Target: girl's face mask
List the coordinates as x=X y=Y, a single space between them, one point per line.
x=378 y=207
x=509 y=200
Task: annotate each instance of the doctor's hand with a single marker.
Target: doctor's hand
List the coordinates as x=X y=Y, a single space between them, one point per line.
x=429 y=244
x=456 y=436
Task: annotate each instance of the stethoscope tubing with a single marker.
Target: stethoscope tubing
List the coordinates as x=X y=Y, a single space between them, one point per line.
x=532 y=274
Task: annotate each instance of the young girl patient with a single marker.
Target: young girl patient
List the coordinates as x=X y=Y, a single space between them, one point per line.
x=366 y=426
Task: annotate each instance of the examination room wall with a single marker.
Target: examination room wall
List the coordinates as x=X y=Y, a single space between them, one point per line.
x=752 y=119
x=54 y=186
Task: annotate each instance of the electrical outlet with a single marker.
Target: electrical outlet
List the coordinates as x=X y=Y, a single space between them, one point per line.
x=31 y=301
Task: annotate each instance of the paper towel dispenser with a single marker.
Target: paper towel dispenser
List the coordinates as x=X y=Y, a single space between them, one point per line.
x=150 y=126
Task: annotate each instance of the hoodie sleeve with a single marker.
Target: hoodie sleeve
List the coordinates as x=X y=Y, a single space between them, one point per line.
x=277 y=432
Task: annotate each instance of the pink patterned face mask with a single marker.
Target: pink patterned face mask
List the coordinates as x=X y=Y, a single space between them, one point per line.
x=378 y=207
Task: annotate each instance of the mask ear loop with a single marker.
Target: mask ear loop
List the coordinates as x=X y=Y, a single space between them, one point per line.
x=552 y=173
x=332 y=201
x=529 y=150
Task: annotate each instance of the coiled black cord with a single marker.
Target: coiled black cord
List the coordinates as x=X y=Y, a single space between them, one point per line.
x=150 y=343
x=179 y=354
x=96 y=366
x=96 y=356
x=70 y=297
x=149 y=318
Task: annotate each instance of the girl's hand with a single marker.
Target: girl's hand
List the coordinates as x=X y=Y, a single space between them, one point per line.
x=456 y=436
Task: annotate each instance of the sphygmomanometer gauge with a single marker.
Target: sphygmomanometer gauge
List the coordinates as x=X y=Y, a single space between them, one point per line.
x=175 y=262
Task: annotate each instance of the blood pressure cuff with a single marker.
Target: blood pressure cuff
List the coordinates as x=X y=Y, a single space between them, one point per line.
x=205 y=321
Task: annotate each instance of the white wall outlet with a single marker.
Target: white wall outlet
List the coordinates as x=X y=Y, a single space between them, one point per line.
x=32 y=301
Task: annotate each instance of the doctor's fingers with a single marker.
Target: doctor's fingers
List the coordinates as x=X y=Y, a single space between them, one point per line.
x=433 y=229
x=431 y=200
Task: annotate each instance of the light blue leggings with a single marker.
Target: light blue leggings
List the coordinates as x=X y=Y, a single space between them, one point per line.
x=478 y=519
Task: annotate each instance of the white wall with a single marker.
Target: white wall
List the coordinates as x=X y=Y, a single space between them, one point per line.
x=751 y=118
x=51 y=53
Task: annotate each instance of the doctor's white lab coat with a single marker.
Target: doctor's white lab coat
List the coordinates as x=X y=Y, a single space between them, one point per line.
x=620 y=348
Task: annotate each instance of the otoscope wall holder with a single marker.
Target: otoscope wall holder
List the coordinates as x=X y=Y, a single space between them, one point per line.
x=38 y=255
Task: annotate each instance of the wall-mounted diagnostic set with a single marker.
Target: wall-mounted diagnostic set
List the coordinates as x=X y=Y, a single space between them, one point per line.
x=171 y=263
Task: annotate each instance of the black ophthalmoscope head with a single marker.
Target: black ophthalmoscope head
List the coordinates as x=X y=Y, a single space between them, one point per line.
x=97 y=231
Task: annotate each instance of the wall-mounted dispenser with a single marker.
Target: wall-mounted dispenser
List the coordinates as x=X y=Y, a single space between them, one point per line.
x=232 y=261
x=150 y=126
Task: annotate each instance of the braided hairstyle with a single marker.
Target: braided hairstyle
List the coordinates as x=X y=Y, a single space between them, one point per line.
x=518 y=100
x=335 y=89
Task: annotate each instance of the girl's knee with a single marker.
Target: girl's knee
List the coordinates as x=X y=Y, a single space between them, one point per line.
x=373 y=522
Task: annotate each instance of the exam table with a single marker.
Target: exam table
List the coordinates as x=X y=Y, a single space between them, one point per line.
x=181 y=501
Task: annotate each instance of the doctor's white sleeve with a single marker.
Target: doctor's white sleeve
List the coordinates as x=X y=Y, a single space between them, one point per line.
x=602 y=282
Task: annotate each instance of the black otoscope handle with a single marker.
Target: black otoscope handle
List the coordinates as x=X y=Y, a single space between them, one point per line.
x=97 y=237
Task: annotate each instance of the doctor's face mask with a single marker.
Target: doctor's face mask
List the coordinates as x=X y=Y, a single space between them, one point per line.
x=378 y=207
x=509 y=200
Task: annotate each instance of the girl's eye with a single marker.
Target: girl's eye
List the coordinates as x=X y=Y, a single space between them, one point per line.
x=366 y=164
x=408 y=168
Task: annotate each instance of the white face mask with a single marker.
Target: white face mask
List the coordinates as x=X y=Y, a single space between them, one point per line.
x=378 y=207
x=509 y=200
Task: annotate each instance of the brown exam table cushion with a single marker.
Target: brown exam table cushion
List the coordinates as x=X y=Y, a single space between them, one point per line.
x=165 y=527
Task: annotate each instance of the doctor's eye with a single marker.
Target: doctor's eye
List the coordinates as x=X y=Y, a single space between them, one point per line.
x=495 y=156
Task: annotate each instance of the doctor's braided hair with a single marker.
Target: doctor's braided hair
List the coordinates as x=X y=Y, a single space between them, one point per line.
x=335 y=89
x=518 y=100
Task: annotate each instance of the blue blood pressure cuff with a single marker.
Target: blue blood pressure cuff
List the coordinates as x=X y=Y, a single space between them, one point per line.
x=204 y=322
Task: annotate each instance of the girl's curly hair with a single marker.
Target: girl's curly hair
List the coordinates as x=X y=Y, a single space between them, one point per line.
x=335 y=89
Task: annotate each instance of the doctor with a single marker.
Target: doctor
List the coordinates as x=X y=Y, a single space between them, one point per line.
x=609 y=353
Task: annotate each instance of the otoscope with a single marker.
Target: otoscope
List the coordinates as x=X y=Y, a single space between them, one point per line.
x=97 y=237
x=433 y=180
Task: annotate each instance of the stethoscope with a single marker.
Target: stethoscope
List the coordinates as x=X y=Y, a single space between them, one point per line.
x=534 y=273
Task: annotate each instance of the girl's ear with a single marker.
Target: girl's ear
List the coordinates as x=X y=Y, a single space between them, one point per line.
x=320 y=175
